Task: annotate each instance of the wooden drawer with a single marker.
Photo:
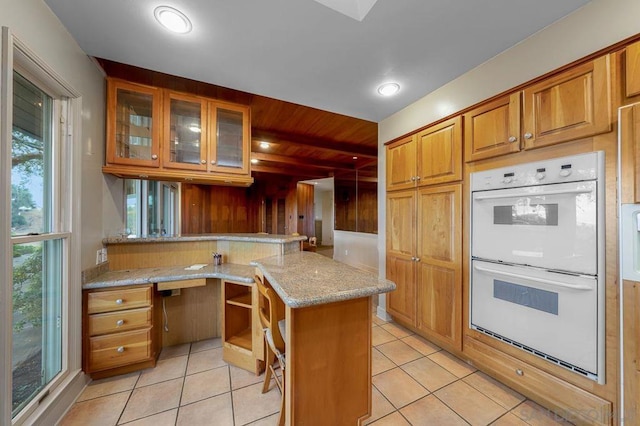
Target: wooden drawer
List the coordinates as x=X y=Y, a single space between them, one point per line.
x=569 y=401
x=118 y=299
x=115 y=350
x=112 y=322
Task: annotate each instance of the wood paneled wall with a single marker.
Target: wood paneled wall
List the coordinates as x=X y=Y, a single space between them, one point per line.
x=356 y=210
x=306 y=216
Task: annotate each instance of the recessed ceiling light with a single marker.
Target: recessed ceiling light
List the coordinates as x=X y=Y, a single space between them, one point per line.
x=264 y=145
x=389 y=89
x=254 y=161
x=172 y=19
x=355 y=158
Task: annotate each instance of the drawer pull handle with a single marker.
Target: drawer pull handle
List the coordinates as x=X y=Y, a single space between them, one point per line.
x=519 y=372
x=119 y=301
x=120 y=349
x=119 y=323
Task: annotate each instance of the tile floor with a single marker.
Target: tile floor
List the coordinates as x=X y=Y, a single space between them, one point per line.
x=414 y=383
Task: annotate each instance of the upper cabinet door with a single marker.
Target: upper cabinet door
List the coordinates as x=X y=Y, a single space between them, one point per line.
x=185 y=132
x=440 y=153
x=493 y=128
x=133 y=124
x=401 y=164
x=572 y=105
x=230 y=141
x=632 y=70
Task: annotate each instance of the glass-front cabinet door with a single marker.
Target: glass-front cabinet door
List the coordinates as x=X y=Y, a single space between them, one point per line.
x=230 y=138
x=133 y=124
x=185 y=141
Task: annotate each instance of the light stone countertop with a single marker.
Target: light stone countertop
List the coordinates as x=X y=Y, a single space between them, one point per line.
x=253 y=238
x=305 y=279
x=227 y=271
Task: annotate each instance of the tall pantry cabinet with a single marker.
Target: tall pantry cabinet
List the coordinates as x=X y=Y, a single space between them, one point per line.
x=424 y=231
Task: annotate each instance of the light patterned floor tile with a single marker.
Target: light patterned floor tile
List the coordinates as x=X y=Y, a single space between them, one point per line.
x=250 y=404
x=216 y=410
x=109 y=386
x=399 y=352
x=167 y=418
x=271 y=420
x=457 y=367
x=379 y=362
x=241 y=377
x=205 y=385
x=205 y=360
x=378 y=321
x=205 y=345
x=430 y=411
x=152 y=399
x=380 y=336
x=167 y=369
x=395 y=329
x=398 y=387
x=174 y=351
x=380 y=406
x=429 y=374
x=420 y=344
x=393 y=419
x=470 y=404
x=503 y=395
x=509 y=419
x=103 y=411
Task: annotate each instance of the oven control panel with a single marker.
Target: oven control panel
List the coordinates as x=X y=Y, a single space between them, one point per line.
x=555 y=170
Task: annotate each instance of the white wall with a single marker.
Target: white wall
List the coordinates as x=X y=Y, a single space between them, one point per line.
x=597 y=25
x=356 y=249
x=328 y=218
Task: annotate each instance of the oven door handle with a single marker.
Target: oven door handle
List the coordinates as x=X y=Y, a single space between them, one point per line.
x=530 y=194
x=536 y=279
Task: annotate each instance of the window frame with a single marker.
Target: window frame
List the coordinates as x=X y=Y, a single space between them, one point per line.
x=65 y=226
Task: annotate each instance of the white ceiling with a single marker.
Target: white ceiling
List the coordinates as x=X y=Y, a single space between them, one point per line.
x=304 y=52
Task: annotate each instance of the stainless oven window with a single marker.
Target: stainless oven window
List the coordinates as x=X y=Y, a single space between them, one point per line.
x=526 y=214
x=531 y=297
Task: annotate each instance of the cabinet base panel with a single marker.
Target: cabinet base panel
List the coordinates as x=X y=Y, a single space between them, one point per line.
x=123 y=370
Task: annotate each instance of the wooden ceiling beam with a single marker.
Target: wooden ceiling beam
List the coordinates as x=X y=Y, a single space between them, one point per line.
x=360 y=151
x=301 y=161
x=290 y=171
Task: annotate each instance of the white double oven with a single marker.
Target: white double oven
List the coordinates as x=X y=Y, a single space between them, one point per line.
x=537 y=259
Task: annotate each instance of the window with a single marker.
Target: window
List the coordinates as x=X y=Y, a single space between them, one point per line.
x=36 y=152
x=152 y=208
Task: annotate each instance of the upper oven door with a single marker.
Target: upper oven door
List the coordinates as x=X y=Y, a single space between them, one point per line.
x=549 y=226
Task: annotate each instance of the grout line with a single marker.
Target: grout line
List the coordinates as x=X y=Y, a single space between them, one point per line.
x=233 y=412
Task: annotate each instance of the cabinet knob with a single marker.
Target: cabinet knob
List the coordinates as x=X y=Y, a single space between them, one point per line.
x=119 y=301
x=417 y=259
x=528 y=135
x=417 y=177
x=120 y=349
x=203 y=161
x=119 y=323
x=154 y=157
x=512 y=139
x=413 y=259
x=213 y=161
x=519 y=372
x=413 y=178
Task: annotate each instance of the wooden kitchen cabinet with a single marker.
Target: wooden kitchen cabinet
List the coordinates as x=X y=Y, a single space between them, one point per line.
x=629 y=135
x=571 y=105
x=439 y=260
x=134 y=124
x=440 y=153
x=161 y=134
x=431 y=156
x=121 y=330
x=242 y=339
x=401 y=164
x=631 y=339
x=401 y=247
x=493 y=128
x=632 y=70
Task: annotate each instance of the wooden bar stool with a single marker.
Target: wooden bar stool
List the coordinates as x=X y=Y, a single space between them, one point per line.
x=274 y=332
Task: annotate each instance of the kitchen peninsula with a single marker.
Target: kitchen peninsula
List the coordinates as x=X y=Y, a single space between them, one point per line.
x=327 y=305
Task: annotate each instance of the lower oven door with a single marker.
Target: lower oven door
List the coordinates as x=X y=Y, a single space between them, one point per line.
x=539 y=311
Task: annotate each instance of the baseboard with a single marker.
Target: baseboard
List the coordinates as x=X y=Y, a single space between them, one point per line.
x=381 y=313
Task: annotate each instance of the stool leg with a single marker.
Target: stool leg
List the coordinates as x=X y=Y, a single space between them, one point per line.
x=269 y=359
x=282 y=414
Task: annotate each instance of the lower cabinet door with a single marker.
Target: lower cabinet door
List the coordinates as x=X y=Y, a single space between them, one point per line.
x=115 y=350
x=401 y=303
